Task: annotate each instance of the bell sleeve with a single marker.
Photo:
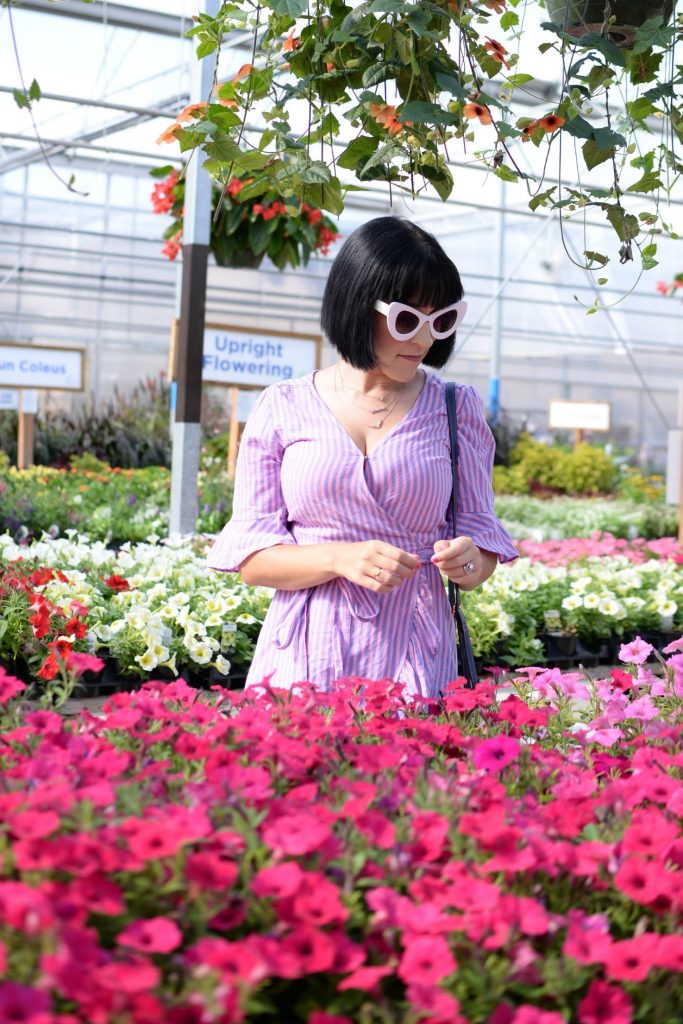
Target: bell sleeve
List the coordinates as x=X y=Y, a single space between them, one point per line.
x=259 y=515
x=476 y=447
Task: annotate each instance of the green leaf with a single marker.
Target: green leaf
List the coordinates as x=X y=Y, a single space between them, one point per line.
x=359 y=149
x=648 y=183
x=542 y=198
x=640 y=108
x=579 y=128
x=326 y=197
x=509 y=20
x=34 y=92
x=605 y=138
x=385 y=154
x=206 y=47
x=378 y=73
x=652 y=32
x=316 y=173
x=451 y=84
x=596 y=257
x=610 y=51
x=161 y=172
x=20 y=98
x=506 y=173
x=441 y=180
x=420 y=112
x=594 y=155
x=289 y=8
x=625 y=224
x=520 y=79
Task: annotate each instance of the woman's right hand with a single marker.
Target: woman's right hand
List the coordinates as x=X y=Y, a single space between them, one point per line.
x=374 y=564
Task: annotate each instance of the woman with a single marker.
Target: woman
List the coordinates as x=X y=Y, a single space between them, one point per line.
x=344 y=478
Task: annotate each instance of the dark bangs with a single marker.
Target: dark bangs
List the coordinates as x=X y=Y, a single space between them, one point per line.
x=393 y=260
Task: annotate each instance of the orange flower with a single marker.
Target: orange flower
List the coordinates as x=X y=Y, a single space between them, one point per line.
x=169 y=134
x=188 y=114
x=497 y=51
x=478 y=111
x=329 y=66
x=496 y=5
x=529 y=130
x=245 y=70
x=230 y=101
x=551 y=122
x=386 y=116
x=290 y=42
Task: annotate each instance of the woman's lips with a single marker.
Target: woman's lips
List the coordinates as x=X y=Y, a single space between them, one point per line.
x=413 y=359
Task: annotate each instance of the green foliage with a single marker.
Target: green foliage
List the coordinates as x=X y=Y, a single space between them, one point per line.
x=129 y=430
x=551 y=469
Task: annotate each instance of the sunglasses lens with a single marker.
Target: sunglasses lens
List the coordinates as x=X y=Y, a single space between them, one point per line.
x=406 y=322
x=446 y=322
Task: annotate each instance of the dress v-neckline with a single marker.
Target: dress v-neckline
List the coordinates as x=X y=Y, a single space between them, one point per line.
x=404 y=419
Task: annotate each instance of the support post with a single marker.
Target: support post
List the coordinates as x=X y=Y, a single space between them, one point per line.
x=26 y=435
x=497 y=314
x=196 y=229
x=578 y=437
x=679 y=432
x=233 y=436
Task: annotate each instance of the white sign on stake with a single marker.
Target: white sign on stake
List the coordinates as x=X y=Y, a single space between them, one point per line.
x=579 y=416
x=10 y=400
x=31 y=366
x=238 y=356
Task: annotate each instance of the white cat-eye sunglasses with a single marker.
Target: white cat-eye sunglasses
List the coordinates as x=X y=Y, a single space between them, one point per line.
x=404 y=322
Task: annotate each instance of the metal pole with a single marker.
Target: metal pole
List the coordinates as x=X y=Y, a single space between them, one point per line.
x=497 y=317
x=196 y=229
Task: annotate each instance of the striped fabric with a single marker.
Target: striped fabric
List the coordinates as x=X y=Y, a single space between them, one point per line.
x=301 y=479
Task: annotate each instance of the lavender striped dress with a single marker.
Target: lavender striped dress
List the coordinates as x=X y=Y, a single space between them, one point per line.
x=301 y=479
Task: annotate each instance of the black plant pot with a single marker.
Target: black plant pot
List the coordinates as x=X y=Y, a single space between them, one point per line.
x=559 y=645
x=597 y=652
x=578 y=17
x=243 y=260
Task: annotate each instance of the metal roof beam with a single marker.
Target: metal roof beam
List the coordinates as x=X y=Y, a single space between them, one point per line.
x=115 y=15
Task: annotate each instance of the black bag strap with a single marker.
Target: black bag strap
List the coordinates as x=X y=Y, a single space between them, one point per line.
x=466 y=665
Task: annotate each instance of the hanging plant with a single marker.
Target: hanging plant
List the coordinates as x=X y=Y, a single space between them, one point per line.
x=420 y=86
x=244 y=230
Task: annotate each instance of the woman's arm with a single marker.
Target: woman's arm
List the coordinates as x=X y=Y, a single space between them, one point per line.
x=373 y=564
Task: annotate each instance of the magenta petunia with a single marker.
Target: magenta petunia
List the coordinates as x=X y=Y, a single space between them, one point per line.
x=635 y=653
x=153 y=935
x=494 y=754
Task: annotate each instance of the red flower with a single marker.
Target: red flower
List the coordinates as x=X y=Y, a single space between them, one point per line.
x=365 y=978
x=426 y=960
x=632 y=959
x=277 y=882
x=321 y=1017
x=493 y=754
x=152 y=935
x=303 y=951
x=605 y=1004
x=296 y=834
x=642 y=881
x=19 y=1004
x=9 y=687
x=117 y=583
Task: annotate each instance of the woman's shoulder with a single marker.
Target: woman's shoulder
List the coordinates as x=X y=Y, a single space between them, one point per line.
x=284 y=391
x=466 y=392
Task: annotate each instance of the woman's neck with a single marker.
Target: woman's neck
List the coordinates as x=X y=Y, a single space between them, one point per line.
x=369 y=382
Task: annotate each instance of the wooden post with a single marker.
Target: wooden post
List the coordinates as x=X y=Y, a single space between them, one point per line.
x=233 y=437
x=26 y=435
x=578 y=437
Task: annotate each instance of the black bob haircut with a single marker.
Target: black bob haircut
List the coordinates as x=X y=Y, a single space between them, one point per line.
x=391 y=260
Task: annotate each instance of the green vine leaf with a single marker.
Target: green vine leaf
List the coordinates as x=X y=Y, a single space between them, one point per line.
x=288 y=8
x=420 y=112
x=359 y=149
x=594 y=155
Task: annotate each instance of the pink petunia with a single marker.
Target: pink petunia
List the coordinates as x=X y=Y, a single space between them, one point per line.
x=321 y=1017
x=532 y=1015
x=494 y=754
x=426 y=960
x=296 y=834
x=277 y=882
x=635 y=653
x=633 y=959
x=152 y=935
x=674 y=647
x=365 y=978
x=19 y=1003
x=605 y=1004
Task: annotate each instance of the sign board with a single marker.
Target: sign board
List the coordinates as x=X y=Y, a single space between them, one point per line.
x=253 y=358
x=10 y=400
x=579 y=416
x=31 y=366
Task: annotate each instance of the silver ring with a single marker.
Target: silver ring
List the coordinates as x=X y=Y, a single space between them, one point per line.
x=377 y=572
x=468 y=568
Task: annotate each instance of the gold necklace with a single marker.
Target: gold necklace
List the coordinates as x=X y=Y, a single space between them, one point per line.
x=381 y=412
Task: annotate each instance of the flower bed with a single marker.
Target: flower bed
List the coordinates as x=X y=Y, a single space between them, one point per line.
x=347 y=857
x=152 y=607
x=110 y=504
x=558 y=518
x=600 y=545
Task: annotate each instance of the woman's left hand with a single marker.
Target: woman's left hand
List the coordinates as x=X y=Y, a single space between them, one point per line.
x=461 y=561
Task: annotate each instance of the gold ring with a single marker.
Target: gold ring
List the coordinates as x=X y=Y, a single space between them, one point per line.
x=376 y=574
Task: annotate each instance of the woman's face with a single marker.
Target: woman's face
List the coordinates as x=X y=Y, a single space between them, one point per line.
x=399 y=360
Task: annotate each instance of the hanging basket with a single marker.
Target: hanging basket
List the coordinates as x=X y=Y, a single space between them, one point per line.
x=245 y=259
x=578 y=17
